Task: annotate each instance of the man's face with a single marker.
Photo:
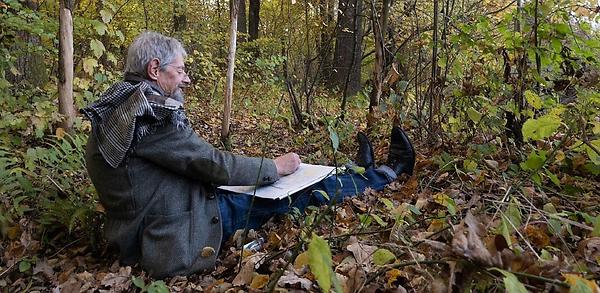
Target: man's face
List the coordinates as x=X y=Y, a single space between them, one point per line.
x=173 y=77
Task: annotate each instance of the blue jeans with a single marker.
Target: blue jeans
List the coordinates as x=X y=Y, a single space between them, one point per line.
x=235 y=207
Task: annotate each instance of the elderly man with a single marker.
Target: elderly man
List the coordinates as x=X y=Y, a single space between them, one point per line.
x=156 y=178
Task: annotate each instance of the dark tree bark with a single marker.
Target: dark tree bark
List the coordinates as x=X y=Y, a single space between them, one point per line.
x=242 y=22
x=253 y=19
x=348 y=48
x=325 y=41
x=30 y=65
x=179 y=17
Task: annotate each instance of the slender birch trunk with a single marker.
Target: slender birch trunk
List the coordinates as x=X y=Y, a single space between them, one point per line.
x=229 y=81
x=65 y=72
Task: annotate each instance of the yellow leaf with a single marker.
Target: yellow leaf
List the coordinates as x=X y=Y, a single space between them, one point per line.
x=259 y=281
x=576 y=281
x=60 y=133
x=392 y=275
x=301 y=260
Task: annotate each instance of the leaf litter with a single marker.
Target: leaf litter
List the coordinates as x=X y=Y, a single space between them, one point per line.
x=444 y=229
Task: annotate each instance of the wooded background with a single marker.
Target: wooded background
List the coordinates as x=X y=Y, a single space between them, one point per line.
x=505 y=85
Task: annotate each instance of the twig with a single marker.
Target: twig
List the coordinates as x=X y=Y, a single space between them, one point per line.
x=403 y=264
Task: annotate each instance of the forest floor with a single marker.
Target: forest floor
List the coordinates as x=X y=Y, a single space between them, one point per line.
x=449 y=227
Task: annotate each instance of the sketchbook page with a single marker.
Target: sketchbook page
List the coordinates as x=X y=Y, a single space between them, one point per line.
x=305 y=176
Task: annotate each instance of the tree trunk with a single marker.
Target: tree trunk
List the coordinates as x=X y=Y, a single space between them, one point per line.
x=253 y=19
x=348 y=48
x=242 y=23
x=179 y=16
x=229 y=81
x=434 y=97
x=65 y=68
x=325 y=41
x=379 y=30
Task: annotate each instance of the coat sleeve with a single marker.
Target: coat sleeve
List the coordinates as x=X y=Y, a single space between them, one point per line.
x=183 y=152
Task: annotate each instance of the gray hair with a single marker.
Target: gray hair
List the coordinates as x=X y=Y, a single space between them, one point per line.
x=149 y=45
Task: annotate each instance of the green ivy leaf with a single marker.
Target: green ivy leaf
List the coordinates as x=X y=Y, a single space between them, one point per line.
x=383 y=256
x=97 y=48
x=473 y=114
x=533 y=99
x=319 y=260
x=540 y=128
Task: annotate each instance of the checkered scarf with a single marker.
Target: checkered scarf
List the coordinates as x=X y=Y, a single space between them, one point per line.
x=123 y=115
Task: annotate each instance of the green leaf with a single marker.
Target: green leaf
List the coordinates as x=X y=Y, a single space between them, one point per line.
x=383 y=256
x=388 y=203
x=335 y=140
x=138 y=282
x=540 y=128
x=106 y=16
x=100 y=27
x=319 y=260
x=596 y=231
x=533 y=99
x=473 y=114
x=379 y=220
x=157 y=287
x=553 y=177
x=562 y=28
x=535 y=161
x=24 y=266
x=97 y=48
x=89 y=64
x=323 y=193
x=511 y=283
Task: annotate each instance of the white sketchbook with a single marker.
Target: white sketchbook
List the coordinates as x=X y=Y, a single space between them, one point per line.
x=305 y=176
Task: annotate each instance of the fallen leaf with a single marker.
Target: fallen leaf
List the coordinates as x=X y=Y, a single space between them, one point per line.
x=467 y=242
x=290 y=279
x=41 y=266
x=259 y=281
x=537 y=236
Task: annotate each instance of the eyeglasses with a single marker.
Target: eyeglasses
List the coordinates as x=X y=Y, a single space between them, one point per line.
x=180 y=69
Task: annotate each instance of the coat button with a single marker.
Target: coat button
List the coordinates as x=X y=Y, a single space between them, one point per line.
x=214 y=220
x=211 y=196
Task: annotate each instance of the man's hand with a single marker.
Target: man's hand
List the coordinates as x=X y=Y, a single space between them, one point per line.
x=287 y=164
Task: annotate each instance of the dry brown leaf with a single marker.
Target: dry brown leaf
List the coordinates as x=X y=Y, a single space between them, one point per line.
x=362 y=253
x=537 y=236
x=290 y=279
x=259 y=281
x=355 y=280
x=246 y=274
x=118 y=281
x=41 y=266
x=467 y=242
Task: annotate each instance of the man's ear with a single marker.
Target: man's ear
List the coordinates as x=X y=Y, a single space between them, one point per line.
x=153 y=69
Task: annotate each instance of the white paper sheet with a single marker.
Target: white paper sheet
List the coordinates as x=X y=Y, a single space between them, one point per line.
x=305 y=176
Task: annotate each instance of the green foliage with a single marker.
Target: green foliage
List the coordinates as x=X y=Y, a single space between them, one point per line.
x=511 y=283
x=153 y=287
x=383 y=256
x=319 y=259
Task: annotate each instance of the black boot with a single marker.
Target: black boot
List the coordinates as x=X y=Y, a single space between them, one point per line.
x=401 y=157
x=365 y=156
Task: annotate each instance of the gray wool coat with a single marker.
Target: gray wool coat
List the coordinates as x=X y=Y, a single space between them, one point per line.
x=161 y=210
